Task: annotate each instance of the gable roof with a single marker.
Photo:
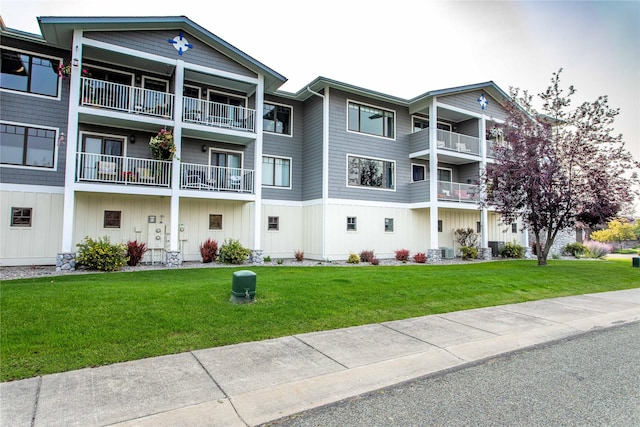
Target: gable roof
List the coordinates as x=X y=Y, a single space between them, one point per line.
x=58 y=31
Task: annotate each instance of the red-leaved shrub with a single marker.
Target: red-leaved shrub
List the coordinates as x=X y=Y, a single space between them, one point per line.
x=209 y=250
x=402 y=254
x=135 y=252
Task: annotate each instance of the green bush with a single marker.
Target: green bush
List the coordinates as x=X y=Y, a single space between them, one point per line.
x=469 y=252
x=574 y=249
x=232 y=252
x=101 y=254
x=353 y=259
x=512 y=250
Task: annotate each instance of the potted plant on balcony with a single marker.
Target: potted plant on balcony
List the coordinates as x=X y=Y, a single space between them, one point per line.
x=162 y=145
x=64 y=71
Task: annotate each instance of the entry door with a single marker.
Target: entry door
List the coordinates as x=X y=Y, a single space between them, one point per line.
x=95 y=149
x=228 y=168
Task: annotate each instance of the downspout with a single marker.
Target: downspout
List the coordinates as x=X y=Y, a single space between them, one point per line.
x=325 y=164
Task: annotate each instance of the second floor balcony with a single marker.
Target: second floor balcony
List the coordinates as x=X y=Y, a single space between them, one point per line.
x=151 y=103
x=448 y=143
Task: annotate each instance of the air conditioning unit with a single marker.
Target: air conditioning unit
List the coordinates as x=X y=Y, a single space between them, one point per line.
x=447 y=253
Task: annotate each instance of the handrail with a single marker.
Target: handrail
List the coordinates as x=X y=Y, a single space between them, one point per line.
x=203 y=177
x=122 y=170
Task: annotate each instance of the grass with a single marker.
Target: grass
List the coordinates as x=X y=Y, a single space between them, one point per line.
x=61 y=323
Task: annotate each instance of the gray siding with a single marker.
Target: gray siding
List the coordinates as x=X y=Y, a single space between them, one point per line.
x=343 y=143
x=36 y=111
x=312 y=148
x=469 y=101
x=156 y=42
x=468 y=127
x=286 y=146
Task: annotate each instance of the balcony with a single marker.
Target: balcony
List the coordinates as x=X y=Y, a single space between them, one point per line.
x=215 y=178
x=458 y=192
x=131 y=171
x=448 y=143
x=151 y=103
x=101 y=168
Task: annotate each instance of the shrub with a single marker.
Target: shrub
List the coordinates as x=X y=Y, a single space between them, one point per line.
x=299 y=255
x=466 y=236
x=353 y=259
x=469 y=252
x=420 y=257
x=135 y=252
x=101 y=254
x=232 y=252
x=574 y=249
x=597 y=249
x=267 y=258
x=209 y=250
x=279 y=261
x=512 y=250
x=402 y=255
x=374 y=261
x=366 y=256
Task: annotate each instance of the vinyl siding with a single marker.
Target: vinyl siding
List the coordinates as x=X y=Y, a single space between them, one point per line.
x=469 y=101
x=312 y=149
x=283 y=242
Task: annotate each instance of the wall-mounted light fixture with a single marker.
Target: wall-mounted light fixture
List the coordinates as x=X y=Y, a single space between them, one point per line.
x=204 y=148
x=75 y=62
x=61 y=138
x=132 y=138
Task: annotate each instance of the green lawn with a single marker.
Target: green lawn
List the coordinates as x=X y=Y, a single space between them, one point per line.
x=68 y=322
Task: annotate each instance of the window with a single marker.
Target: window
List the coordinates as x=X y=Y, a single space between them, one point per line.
x=351 y=223
x=388 y=225
x=478 y=227
x=21 y=217
x=27 y=146
x=29 y=73
x=514 y=227
x=277 y=119
x=363 y=172
x=418 y=172
x=276 y=172
x=420 y=123
x=439 y=226
x=273 y=223
x=215 y=222
x=191 y=91
x=444 y=174
x=370 y=120
x=112 y=219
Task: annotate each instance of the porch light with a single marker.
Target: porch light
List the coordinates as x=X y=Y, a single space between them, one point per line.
x=75 y=62
x=204 y=148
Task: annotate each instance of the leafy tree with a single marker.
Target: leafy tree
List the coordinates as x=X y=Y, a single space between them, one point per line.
x=559 y=165
x=616 y=231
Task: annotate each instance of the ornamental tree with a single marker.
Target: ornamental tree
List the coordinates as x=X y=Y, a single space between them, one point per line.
x=616 y=231
x=559 y=165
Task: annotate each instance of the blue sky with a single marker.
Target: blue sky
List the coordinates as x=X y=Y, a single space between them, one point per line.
x=405 y=48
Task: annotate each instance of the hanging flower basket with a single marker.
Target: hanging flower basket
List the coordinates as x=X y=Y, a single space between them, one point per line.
x=64 y=71
x=162 y=145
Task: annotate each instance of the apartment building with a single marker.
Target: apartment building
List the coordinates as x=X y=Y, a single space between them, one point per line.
x=330 y=170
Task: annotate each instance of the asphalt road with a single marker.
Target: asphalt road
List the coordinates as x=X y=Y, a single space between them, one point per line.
x=589 y=380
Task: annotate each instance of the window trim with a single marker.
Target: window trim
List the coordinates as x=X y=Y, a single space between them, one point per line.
x=56 y=149
x=370 y=158
x=392 y=222
x=198 y=88
x=395 y=116
x=21 y=226
x=426 y=172
x=210 y=218
x=426 y=119
x=353 y=223
x=132 y=76
x=446 y=169
x=514 y=227
x=270 y=223
x=84 y=134
x=281 y=187
x=289 y=135
x=146 y=77
x=111 y=227
x=37 y=95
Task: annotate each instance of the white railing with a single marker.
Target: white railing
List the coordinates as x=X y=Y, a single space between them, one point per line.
x=458 y=142
x=489 y=151
x=130 y=99
x=202 y=177
x=123 y=170
x=458 y=192
x=216 y=114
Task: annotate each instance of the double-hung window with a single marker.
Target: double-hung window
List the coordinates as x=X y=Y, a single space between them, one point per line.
x=276 y=172
x=27 y=146
x=29 y=73
x=374 y=173
x=371 y=120
x=277 y=119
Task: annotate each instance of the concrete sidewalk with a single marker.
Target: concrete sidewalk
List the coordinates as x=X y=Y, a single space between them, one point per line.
x=253 y=383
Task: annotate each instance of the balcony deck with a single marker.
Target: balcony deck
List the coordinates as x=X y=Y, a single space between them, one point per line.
x=450 y=145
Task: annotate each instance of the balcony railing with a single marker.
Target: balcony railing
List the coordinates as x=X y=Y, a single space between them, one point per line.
x=123 y=170
x=458 y=142
x=220 y=115
x=458 y=192
x=202 y=177
x=130 y=99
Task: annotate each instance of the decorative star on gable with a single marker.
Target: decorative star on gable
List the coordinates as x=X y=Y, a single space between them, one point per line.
x=483 y=101
x=180 y=43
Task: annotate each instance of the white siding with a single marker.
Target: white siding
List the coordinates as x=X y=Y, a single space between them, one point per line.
x=283 y=242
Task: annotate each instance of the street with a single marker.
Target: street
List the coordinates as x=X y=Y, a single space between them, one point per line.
x=589 y=380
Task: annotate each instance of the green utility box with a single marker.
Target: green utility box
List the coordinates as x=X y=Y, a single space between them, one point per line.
x=243 y=287
x=635 y=261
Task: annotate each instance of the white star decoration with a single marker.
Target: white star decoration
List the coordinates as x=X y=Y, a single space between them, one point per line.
x=180 y=43
x=483 y=101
